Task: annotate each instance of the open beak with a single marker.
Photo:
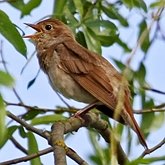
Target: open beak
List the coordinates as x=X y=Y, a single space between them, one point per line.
x=35 y=27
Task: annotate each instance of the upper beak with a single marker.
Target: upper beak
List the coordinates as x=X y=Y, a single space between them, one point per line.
x=36 y=27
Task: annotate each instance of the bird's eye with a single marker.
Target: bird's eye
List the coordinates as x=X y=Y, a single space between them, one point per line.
x=48 y=27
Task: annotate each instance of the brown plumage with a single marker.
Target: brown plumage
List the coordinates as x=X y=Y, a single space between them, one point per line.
x=80 y=74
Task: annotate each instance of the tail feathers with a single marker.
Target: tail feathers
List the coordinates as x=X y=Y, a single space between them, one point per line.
x=139 y=133
x=126 y=117
x=130 y=120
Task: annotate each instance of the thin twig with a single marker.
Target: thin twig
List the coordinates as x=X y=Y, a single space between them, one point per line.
x=144 y=34
x=6 y=69
x=28 y=61
x=29 y=107
x=74 y=156
x=61 y=98
x=154 y=90
x=153 y=149
x=161 y=31
x=157 y=108
x=27 y=158
x=148 y=111
x=57 y=110
x=18 y=145
x=28 y=126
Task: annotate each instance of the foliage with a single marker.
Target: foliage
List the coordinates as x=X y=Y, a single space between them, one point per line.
x=9 y=31
x=96 y=25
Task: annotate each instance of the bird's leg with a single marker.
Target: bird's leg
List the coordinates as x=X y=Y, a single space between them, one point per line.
x=85 y=109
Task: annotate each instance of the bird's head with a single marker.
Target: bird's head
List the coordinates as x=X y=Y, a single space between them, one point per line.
x=49 y=29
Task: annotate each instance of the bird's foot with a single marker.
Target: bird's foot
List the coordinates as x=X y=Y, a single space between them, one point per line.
x=84 y=110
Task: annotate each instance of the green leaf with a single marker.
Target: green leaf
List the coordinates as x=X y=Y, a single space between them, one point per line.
x=135 y=3
x=146 y=42
x=22 y=132
x=31 y=82
x=71 y=7
x=9 y=134
x=119 y=64
x=112 y=12
x=160 y=3
x=33 y=148
x=81 y=38
x=47 y=119
x=32 y=113
x=69 y=16
x=32 y=4
x=25 y=8
x=158 y=121
x=2 y=121
x=155 y=159
x=97 y=159
x=128 y=72
x=17 y=4
x=59 y=7
x=101 y=26
x=107 y=40
x=147 y=118
x=123 y=45
x=140 y=74
x=79 y=6
x=151 y=160
x=105 y=31
x=6 y=79
x=101 y=156
x=9 y=31
x=91 y=40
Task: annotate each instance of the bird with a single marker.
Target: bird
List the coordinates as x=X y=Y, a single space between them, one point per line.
x=82 y=75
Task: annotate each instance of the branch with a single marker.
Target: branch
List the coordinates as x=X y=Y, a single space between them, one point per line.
x=158 y=108
x=28 y=126
x=6 y=69
x=29 y=107
x=57 y=141
x=103 y=128
x=28 y=61
x=142 y=37
x=27 y=158
x=154 y=90
x=74 y=156
x=73 y=124
x=148 y=111
x=18 y=145
x=57 y=110
x=61 y=98
x=153 y=149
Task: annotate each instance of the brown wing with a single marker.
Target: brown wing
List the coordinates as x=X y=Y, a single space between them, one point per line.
x=85 y=68
x=89 y=71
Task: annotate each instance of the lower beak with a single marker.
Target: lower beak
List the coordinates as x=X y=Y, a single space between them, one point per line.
x=29 y=36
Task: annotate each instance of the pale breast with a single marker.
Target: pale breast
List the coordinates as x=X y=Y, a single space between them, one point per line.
x=64 y=83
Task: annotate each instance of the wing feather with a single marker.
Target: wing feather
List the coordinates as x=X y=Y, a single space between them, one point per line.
x=89 y=71
x=86 y=70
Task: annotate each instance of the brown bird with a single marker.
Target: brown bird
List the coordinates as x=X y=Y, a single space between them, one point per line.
x=80 y=74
